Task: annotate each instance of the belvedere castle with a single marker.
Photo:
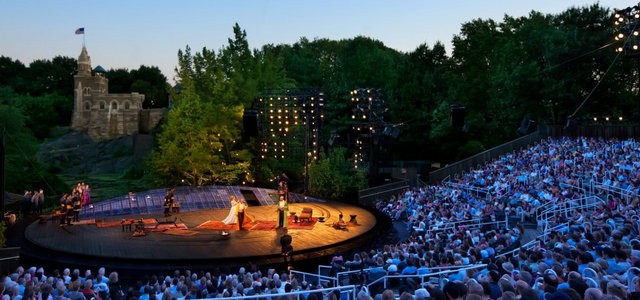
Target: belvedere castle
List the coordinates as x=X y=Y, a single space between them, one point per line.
x=103 y=115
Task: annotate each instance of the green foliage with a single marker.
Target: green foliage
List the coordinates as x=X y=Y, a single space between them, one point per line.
x=145 y=80
x=23 y=170
x=334 y=177
x=43 y=112
x=470 y=148
x=197 y=144
x=200 y=141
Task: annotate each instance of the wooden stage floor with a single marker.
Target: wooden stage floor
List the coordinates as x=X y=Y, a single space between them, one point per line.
x=88 y=243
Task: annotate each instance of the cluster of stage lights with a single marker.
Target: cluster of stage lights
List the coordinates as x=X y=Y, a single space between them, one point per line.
x=628 y=20
x=365 y=103
x=283 y=115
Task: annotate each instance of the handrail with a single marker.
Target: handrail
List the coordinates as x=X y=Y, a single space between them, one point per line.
x=533 y=244
x=483 y=157
x=548 y=230
x=555 y=209
x=320 y=277
x=469 y=189
x=470 y=224
x=349 y=289
x=423 y=276
x=625 y=194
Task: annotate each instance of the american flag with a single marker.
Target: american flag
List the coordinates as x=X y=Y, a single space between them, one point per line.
x=80 y=30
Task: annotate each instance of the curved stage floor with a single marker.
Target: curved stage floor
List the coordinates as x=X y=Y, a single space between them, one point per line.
x=195 y=239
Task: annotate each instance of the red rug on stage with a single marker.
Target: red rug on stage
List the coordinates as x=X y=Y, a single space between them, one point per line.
x=108 y=224
x=263 y=225
x=165 y=227
x=218 y=225
x=308 y=225
x=146 y=222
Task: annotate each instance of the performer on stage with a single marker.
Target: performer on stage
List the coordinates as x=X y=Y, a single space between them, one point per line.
x=232 y=217
x=168 y=202
x=241 y=208
x=283 y=212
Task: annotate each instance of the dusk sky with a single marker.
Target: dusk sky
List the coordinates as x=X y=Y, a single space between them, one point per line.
x=127 y=34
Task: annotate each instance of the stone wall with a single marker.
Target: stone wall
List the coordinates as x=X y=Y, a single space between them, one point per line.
x=150 y=118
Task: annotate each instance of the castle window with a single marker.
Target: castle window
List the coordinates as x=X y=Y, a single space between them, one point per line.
x=87 y=91
x=114 y=105
x=126 y=105
x=87 y=106
x=102 y=104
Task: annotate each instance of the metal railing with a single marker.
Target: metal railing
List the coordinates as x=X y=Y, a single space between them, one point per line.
x=349 y=291
x=546 y=213
x=371 y=195
x=440 y=276
x=310 y=277
x=468 y=224
x=480 y=193
x=484 y=157
x=622 y=193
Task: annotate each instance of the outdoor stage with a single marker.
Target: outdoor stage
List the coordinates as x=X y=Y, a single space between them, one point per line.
x=193 y=236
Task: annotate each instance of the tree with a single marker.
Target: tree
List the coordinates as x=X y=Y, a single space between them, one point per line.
x=200 y=140
x=55 y=76
x=423 y=84
x=334 y=177
x=153 y=84
x=145 y=80
x=13 y=74
x=43 y=112
x=120 y=80
x=23 y=169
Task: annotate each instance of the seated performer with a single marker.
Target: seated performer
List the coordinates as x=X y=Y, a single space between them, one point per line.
x=341 y=224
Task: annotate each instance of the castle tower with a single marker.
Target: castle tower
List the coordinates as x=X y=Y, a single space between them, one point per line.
x=84 y=63
x=83 y=75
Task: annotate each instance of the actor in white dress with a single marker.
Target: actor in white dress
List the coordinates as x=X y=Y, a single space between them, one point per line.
x=232 y=218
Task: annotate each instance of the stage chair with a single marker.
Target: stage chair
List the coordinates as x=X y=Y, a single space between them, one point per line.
x=306 y=214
